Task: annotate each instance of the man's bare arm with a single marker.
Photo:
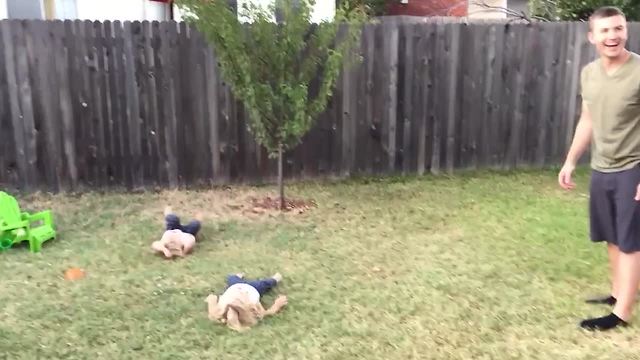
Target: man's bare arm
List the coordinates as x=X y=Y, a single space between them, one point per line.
x=581 y=138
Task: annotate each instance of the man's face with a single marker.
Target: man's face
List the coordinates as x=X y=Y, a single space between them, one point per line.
x=609 y=35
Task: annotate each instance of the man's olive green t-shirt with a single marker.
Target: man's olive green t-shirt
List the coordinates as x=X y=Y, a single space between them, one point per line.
x=614 y=103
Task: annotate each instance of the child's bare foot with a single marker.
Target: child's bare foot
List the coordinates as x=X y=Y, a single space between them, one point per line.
x=277 y=277
x=167 y=210
x=199 y=216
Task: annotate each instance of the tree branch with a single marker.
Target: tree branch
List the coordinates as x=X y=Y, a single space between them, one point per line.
x=521 y=15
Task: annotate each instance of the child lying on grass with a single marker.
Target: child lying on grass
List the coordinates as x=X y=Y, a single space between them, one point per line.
x=239 y=306
x=178 y=239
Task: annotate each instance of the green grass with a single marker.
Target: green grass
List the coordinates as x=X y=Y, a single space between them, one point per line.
x=476 y=266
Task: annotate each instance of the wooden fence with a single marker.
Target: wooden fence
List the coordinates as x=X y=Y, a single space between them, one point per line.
x=140 y=104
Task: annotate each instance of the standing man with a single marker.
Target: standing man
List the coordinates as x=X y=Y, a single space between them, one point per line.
x=610 y=121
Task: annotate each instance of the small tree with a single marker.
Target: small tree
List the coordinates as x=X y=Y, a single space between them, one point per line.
x=271 y=66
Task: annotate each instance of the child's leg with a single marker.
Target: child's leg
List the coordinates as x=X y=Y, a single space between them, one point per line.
x=192 y=227
x=264 y=285
x=234 y=279
x=172 y=222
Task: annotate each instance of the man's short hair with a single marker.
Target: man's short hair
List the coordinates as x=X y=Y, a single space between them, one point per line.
x=605 y=12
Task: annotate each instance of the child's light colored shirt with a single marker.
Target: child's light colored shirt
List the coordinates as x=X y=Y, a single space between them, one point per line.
x=177 y=240
x=244 y=292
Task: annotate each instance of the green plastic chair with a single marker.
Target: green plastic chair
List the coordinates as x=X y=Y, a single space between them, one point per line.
x=17 y=226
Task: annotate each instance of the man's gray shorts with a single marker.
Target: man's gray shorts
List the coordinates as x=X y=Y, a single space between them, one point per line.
x=614 y=213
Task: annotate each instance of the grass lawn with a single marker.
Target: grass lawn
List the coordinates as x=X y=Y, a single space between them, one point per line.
x=477 y=266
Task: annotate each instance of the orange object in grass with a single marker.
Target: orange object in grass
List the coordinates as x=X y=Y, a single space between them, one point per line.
x=73 y=274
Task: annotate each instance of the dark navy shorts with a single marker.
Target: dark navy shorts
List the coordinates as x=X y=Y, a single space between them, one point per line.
x=614 y=213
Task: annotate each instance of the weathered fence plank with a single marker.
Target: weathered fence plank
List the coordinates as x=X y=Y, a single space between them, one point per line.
x=439 y=82
x=141 y=65
x=183 y=86
x=421 y=99
x=469 y=99
x=515 y=122
x=37 y=41
x=211 y=101
x=134 y=156
x=114 y=118
x=99 y=91
x=157 y=82
x=406 y=90
x=391 y=95
x=7 y=145
x=544 y=87
x=67 y=126
x=201 y=127
x=169 y=34
x=26 y=121
x=487 y=105
x=453 y=52
x=148 y=80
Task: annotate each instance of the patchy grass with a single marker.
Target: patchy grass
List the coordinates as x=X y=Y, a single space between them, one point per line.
x=480 y=265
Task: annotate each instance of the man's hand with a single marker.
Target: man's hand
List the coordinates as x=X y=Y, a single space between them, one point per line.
x=637 y=198
x=564 y=177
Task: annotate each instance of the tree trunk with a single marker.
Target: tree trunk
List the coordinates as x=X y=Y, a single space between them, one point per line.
x=280 y=177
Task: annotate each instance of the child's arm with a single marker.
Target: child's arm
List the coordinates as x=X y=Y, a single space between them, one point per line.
x=213 y=310
x=188 y=242
x=233 y=320
x=159 y=246
x=278 y=304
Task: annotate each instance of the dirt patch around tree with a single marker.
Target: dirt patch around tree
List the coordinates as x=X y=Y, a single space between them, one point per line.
x=268 y=203
x=234 y=203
